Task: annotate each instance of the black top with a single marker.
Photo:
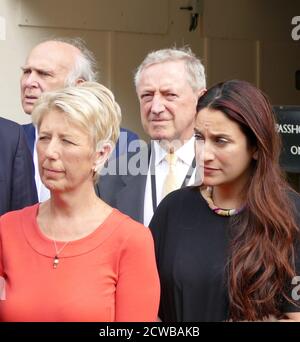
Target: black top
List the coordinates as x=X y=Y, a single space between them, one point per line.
x=191 y=244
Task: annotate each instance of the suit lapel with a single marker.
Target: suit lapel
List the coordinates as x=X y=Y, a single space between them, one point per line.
x=132 y=197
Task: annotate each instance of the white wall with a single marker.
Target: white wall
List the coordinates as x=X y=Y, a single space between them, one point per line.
x=118 y=46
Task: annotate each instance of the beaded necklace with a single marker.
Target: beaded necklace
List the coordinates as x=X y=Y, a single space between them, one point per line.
x=206 y=192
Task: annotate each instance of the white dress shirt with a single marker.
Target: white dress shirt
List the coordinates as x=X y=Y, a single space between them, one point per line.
x=185 y=155
x=42 y=191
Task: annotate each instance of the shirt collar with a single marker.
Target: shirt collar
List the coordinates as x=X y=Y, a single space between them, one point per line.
x=185 y=153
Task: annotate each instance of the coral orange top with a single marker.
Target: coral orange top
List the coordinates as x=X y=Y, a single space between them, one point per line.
x=110 y=275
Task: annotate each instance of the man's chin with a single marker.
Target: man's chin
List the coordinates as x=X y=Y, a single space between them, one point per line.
x=160 y=135
x=160 y=138
x=28 y=108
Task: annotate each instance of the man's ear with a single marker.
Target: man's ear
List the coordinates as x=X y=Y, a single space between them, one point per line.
x=201 y=92
x=79 y=81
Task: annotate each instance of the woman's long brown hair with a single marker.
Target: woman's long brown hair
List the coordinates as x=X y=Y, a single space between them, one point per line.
x=261 y=261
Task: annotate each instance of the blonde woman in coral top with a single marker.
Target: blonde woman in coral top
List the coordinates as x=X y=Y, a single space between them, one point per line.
x=73 y=257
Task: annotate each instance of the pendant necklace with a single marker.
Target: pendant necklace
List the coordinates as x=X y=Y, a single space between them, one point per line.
x=58 y=251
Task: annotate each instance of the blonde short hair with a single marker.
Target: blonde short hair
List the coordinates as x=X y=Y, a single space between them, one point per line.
x=90 y=104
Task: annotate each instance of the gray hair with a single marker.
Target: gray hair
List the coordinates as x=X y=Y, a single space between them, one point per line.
x=194 y=67
x=85 y=66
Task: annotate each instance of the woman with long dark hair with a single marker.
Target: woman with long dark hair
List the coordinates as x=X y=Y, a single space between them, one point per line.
x=229 y=249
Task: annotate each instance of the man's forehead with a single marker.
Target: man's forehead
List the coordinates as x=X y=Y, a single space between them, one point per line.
x=51 y=55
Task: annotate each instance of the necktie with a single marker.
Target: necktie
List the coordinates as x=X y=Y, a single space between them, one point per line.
x=171 y=182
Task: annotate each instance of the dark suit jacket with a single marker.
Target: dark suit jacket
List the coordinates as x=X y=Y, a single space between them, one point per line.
x=30 y=136
x=17 y=186
x=126 y=137
x=123 y=190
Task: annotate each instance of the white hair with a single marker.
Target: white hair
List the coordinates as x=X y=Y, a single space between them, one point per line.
x=194 y=67
x=85 y=66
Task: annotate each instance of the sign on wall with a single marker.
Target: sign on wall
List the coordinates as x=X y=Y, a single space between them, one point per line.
x=288 y=125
